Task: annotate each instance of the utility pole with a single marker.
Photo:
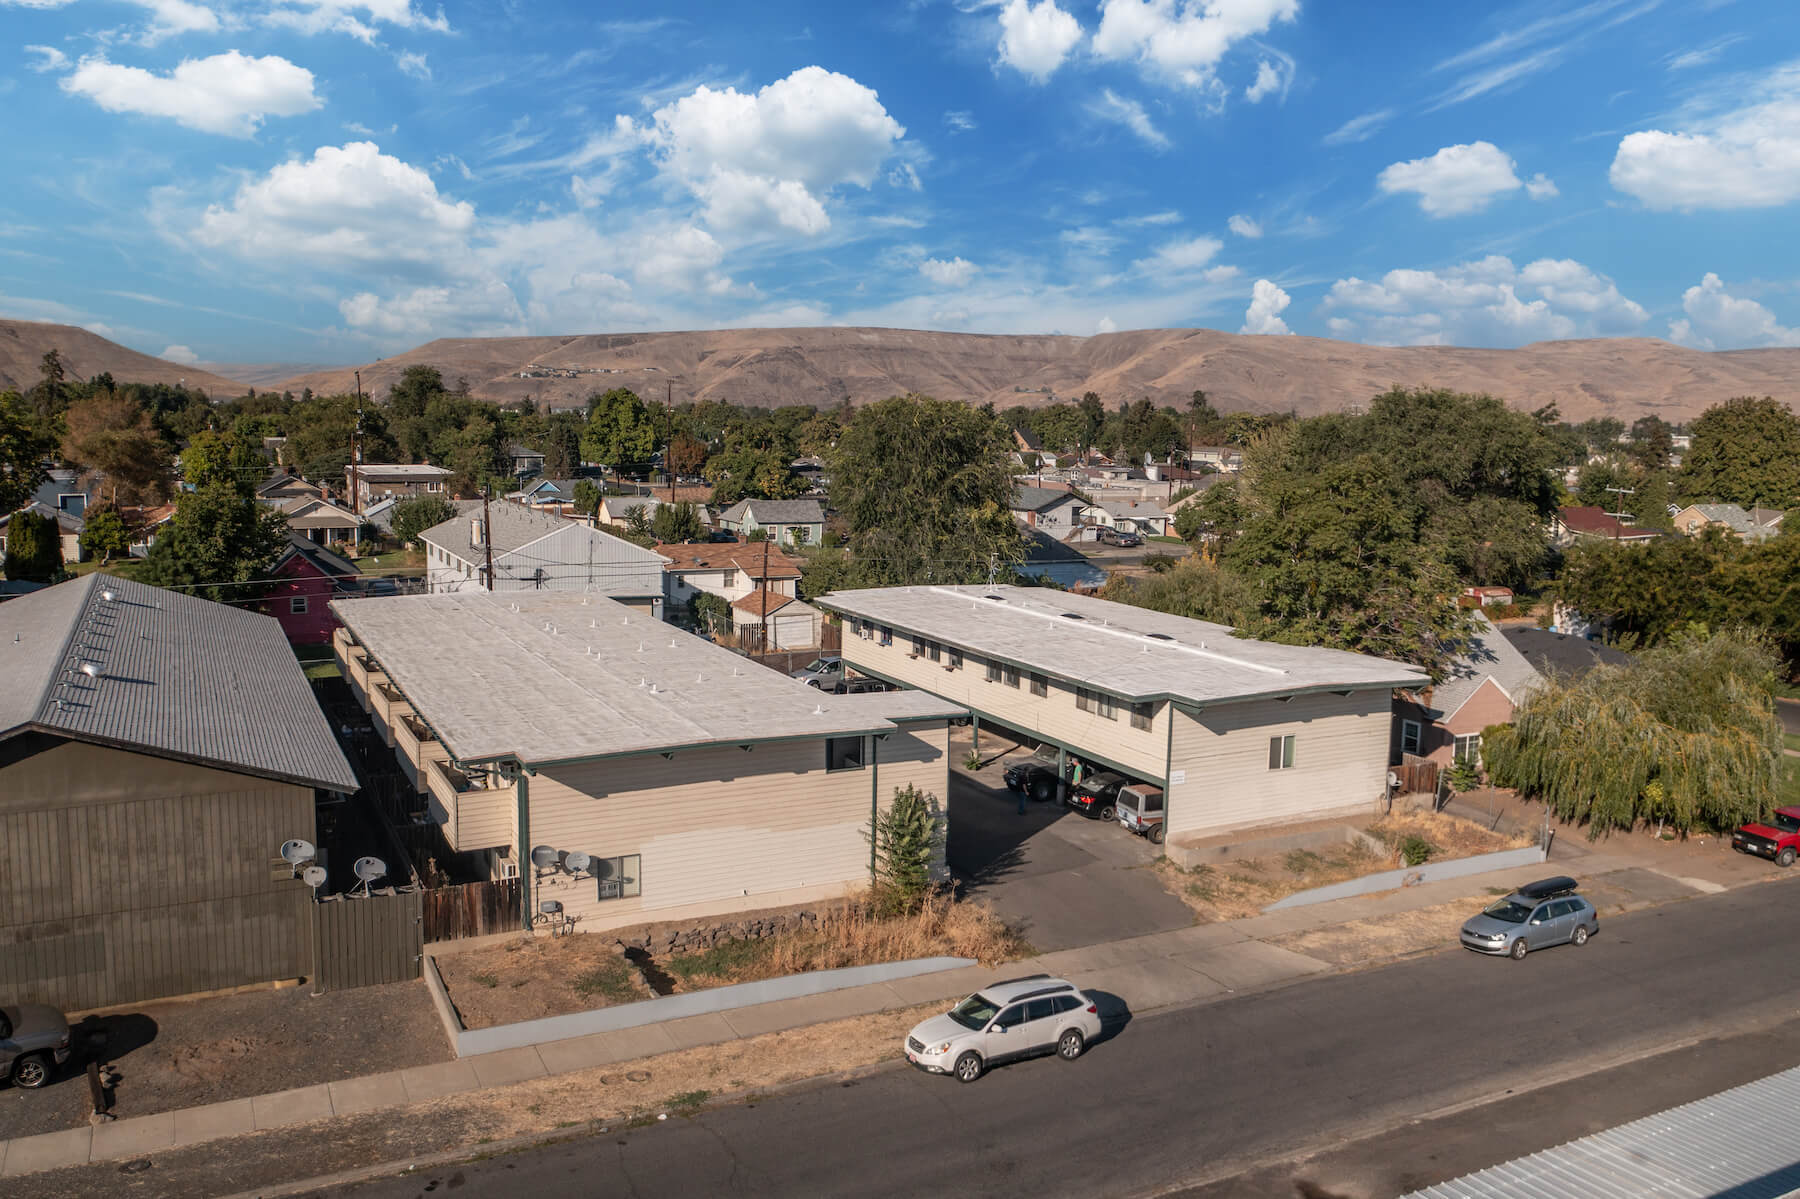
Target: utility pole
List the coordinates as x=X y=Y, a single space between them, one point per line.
x=356 y=452
x=1620 y=516
x=487 y=537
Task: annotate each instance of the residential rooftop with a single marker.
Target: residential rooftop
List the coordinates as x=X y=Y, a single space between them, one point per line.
x=555 y=676
x=1036 y=499
x=1123 y=650
x=512 y=527
x=758 y=559
x=1486 y=655
x=173 y=676
x=777 y=512
x=400 y=470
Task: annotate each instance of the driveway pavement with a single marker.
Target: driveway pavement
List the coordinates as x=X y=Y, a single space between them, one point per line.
x=1065 y=879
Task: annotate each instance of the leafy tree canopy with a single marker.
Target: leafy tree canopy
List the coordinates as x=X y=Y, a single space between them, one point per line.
x=319 y=433
x=218 y=543
x=22 y=449
x=620 y=431
x=104 y=534
x=33 y=548
x=413 y=516
x=587 y=497
x=223 y=458
x=676 y=522
x=1745 y=451
x=752 y=472
x=111 y=435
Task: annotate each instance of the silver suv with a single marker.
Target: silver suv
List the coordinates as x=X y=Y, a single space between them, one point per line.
x=1002 y=1023
x=34 y=1040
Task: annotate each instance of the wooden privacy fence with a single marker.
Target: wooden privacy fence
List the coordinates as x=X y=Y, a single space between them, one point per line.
x=472 y=910
x=366 y=940
x=1418 y=776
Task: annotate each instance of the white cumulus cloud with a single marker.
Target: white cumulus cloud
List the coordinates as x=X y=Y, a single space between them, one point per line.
x=1541 y=187
x=1718 y=320
x=1268 y=81
x=1739 y=155
x=1488 y=302
x=228 y=93
x=1035 y=39
x=179 y=354
x=360 y=19
x=1183 y=41
x=1181 y=257
x=1243 y=226
x=766 y=160
x=1110 y=106
x=1454 y=181
x=1267 y=302
x=955 y=272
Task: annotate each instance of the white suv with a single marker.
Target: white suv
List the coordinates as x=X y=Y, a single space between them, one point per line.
x=1004 y=1022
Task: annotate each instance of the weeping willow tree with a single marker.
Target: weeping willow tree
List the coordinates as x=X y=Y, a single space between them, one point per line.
x=1685 y=736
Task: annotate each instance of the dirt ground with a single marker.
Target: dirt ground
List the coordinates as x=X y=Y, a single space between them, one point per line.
x=1244 y=887
x=1389 y=937
x=185 y=1053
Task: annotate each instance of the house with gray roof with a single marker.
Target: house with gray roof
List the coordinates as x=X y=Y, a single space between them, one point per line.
x=69 y=527
x=1761 y=525
x=1055 y=512
x=1143 y=517
x=534 y=550
x=1486 y=680
x=787 y=522
x=156 y=750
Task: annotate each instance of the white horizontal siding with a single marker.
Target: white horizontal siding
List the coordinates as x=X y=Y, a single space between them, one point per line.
x=1340 y=761
x=1141 y=752
x=575 y=558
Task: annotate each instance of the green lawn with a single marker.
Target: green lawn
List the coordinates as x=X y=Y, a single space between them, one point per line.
x=1788 y=794
x=1165 y=540
x=394 y=562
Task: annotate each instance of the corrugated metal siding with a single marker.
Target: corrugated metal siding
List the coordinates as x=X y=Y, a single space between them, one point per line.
x=577 y=558
x=1053 y=716
x=1740 y=1143
x=1340 y=760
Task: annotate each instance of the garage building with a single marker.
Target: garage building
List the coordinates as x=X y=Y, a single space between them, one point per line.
x=1239 y=733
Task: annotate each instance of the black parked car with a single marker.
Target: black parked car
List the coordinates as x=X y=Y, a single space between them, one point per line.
x=1096 y=795
x=1036 y=776
x=860 y=686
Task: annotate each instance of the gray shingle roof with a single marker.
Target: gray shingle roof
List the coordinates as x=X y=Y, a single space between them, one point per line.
x=1036 y=499
x=512 y=527
x=777 y=512
x=68 y=522
x=177 y=676
x=1487 y=655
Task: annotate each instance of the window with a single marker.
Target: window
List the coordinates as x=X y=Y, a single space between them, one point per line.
x=297 y=605
x=1410 y=731
x=1040 y=686
x=955 y=659
x=1153 y=802
x=1064 y=1003
x=1468 y=748
x=934 y=651
x=843 y=753
x=1039 y=1009
x=618 y=877
x=887 y=635
x=918 y=646
x=1281 y=752
x=1009 y=675
x=993 y=672
x=1142 y=715
x=1084 y=700
x=1106 y=706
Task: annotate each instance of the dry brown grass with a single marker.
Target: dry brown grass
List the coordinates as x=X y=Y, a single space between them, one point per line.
x=1385 y=937
x=1452 y=836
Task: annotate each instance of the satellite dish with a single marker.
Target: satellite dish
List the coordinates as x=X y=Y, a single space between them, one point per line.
x=296 y=852
x=314 y=876
x=576 y=862
x=368 y=870
x=543 y=857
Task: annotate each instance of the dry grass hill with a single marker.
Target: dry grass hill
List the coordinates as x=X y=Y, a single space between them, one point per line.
x=1618 y=377
x=23 y=345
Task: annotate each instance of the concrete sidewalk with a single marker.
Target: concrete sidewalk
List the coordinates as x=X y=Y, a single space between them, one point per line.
x=1189 y=965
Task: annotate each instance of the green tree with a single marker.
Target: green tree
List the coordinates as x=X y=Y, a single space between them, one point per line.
x=826 y=571
x=676 y=522
x=925 y=489
x=104 y=534
x=220 y=545
x=1489 y=540
x=587 y=497
x=51 y=394
x=1651 y=442
x=709 y=613
x=1217 y=515
x=1685 y=734
x=620 y=430
x=562 y=446
x=33 y=547
x=1745 y=451
x=413 y=516
x=1191 y=587
x=1061 y=427
x=223 y=458
x=907 y=838
x=112 y=435
x=1093 y=418
x=319 y=434
x=752 y=472
x=22 y=450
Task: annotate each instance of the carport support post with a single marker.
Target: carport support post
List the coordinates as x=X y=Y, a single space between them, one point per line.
x=527 y=908
x=975 y=725
x=874 y=803
x=1062 y=774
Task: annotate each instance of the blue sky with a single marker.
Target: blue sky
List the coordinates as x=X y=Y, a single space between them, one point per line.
x=320 y=181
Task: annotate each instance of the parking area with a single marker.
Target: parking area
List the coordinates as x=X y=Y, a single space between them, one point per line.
x=1067 y=881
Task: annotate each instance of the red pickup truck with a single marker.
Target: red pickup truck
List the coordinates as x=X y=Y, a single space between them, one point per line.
x=1779 y=840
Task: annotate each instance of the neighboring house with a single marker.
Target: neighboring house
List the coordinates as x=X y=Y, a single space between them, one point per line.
x=1554 y=653
x=380 y=514
x=1481 y=687
x=1047 y=509
x=156 y=750
x=64 y=491
x=753 y=577
x=538 y=551
x=1237 y=732
x=1759 y=525
x=1226 y=459
x=787 y=522
x=322 y=521
x=1026 y=441
x=699 y=784
x=312 y=576
x=526 y=461
x=1768 y=520
x=375 y=480
x=1201 y=485
x=281 y=489
x=1136 y=516
x=146 y=525
x=14 y=588
x=546 y=493
x=1570 y=525
x=69 y=526
x=615 y=510
x=1485 y=597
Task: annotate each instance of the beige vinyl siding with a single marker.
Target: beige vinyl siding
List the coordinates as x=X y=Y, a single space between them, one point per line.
x=1141 y=752
x=1340 y=761
x=722 y=830
x=918 y=757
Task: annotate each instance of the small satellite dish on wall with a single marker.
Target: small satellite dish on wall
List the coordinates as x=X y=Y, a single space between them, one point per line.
x=297 y=853
x=368 y=870
x=576 y=862
x=544 y=858
x=314 y=876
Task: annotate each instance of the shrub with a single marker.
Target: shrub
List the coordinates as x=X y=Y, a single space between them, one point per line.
x=1416 y=850
x=1160 y=563
x=1464 y=775
x=906 y=838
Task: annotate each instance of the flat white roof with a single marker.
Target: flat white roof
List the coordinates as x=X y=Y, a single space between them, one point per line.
x=400 y=470
x=551 y=676
x=1130 y=652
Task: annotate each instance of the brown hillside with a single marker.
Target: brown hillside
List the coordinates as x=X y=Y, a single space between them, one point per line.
x=23 y=345
x=1620 y=377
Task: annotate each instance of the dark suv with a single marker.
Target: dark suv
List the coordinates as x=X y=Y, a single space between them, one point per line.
x=34 y=1040
x=1120 y=537
x=861 y=686
x=1096 y=795
x=1036 y=776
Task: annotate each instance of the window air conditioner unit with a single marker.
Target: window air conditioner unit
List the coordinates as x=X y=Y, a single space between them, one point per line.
x=508 y=870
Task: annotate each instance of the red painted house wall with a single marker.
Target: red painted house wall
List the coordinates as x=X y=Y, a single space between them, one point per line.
x=302 y=578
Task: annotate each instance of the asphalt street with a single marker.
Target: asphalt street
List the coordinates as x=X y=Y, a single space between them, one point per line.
x=1180 y=1098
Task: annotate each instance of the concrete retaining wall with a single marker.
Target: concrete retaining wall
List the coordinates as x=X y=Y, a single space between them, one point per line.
x=468 y=1042
x=1412 y=876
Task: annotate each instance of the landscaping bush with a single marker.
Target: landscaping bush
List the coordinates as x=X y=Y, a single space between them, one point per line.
x=906 y=837
x=1416 y=850
x=1160 y=563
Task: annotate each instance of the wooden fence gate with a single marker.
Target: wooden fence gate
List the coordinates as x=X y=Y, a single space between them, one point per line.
x=1418 y=776
x=473 y=910
x=366 y=940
